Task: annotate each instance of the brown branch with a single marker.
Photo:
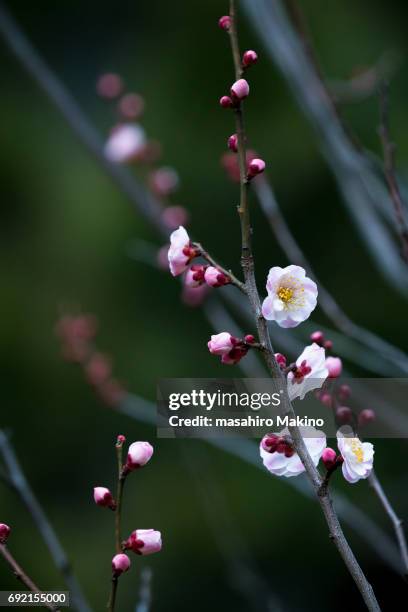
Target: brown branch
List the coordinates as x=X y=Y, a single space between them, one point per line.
x=389 y=148
x=234 y=280
x=247 y=262
x=397 y=523
x=21 y=575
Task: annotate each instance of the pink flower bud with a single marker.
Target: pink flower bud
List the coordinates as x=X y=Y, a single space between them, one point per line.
x=125 y=143
x=249 y=339
x=366 y=416
x=131 y=106
x=240 y=89
x=344 y=392
x=173 y=216
x=344 y=415
x=270 y=443
x=120 y=564
x=144 y=541
x=103 y=497
x=226 y=102
x=4 y=533
x=280 y=360
x=195 y=276
x=224 y=22
x=328 y=345
x=220 y=344
x=256 y=166
x=326 y=399
x=317 y=337
x=215 y=278
x=250 y=57
x=139 y=454
x=329 y=458
x=334 y=366
x=109 y=85
x=233 y=143
x=164 y=181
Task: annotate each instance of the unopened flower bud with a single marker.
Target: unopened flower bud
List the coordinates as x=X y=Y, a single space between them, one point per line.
x=226 y=102
x=334 y=366
x=280 y=360
x=164 y=181
x=250 y=57
x=233 y=143
x=120 y=440
x=221 y=344
x=328 y=345
x=256 y=166
x=109 y=85
x=344 y=392
x=120 y=564
x=329 y=458
x=344 y=415
x=103 y=497
x=224 y=22
x=240 y=89
x=139 y=454
x=216 y=278
x=131 y=106
x=249 y=339
x=317 y=337
x=4 y=533
x=366 y=416
x=326 y=399
x=144 y=541
x=195 y=276
x=269 y=443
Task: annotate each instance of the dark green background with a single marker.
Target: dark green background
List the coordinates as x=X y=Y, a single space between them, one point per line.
x=64 y=229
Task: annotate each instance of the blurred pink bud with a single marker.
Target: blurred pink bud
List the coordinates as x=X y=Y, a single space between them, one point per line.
x=224 y=22
x=317 y=337
x=249 y=339
x=226 y=102
x=216 y=278
x=326 y=399
x=240 y=89
x=329 y=458
x=98 y=369
x=173 y=216
x=233 y=143
x=334 y=366
x=280 y=360
x=109 y=85
x=366 y=416
x=103 y=497
x=125 y=143
x=139 y=454
x=256 y=166
x=131 y=106
x=344 y=392
x=344 y=415
x=162 y=257
x=4 y=533
x=195 y=276
x=221 y=344
x=120 y=564
x=250 y=57
x=194 y=296
x=328 y=345
x=144 y=541
x=164 y=181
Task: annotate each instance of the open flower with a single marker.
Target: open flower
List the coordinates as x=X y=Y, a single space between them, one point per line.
x=278 y=454
x=291 y=296
x=358 y=456
x=180 y=252
x=125 y=143
x=309 y=373
x=144 y=541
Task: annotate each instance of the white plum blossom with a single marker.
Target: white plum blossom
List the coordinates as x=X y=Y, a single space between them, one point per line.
x=311 y=372
x=292 y=296
x=180 y=252
x=283 y=463
x=358 y=457
x=125 y=143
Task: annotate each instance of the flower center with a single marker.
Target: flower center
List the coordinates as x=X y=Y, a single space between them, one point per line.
x=285 y=294
x=357 y=450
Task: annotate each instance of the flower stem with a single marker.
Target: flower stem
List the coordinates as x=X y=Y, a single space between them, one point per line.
x=234 y=280
x=118 y=521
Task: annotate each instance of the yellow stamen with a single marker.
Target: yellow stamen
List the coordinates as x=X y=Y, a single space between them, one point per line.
x=285 y=294
x=357 y=450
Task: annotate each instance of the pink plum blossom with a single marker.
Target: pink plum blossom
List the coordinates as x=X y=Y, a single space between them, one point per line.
x=292 y=296
x=334 y=366
x=250 y=57
x=358 y=456
x=139 y=454
x=120 y=564
x=125 y=143
x=310 y=372
x=180 y=252
x=144 y=541
x=240 y=89
x=224 y=22
x=103 y=497
x=221 y=344
x=279 y=457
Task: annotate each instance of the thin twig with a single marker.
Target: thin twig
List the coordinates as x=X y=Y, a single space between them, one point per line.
x=389 y=169
x=118 y=522
x=397 y=523
x=234 y=280
x=19 y=483
x=21 y=575
x=247 y=262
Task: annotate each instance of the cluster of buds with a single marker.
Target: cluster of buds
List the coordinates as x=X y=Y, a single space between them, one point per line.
x=334 y=365
x=318 y=338
x=199 y=274
x=273 y=443
x=4 y=533
x=77 y=334
x=230 y=349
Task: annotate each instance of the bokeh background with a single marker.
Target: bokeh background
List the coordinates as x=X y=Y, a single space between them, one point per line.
x=65 y=232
